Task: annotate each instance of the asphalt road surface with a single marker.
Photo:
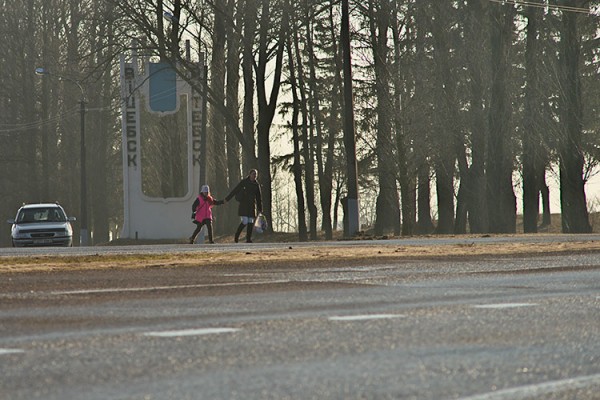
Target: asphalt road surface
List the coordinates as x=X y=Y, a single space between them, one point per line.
x=485 y=328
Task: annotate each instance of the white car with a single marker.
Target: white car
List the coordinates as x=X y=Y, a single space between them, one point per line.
x=44 y=224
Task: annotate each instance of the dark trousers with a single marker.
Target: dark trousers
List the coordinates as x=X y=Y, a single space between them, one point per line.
x=199 y=226
x=249 y=229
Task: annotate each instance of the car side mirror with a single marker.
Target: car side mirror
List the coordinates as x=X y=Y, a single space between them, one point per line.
x=10 y=221
x=71 y=219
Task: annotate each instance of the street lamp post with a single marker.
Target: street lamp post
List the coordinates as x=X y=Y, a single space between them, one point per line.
x=349 y=133
x=83 y=233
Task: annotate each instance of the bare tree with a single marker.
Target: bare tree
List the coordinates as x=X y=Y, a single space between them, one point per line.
x=404 y=152
x=475 y=189
x=234 y=39
x=531 y=137
x=297 y=167
x=217 y=162
x=501 y=199
x=388 y=211
x=572 y=194
x=270 y=48
x=307 y=127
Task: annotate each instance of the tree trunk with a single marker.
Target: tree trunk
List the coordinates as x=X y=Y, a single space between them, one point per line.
x=449 y=111
x=333 y=127
x=315 y=98
x=217 y=161
x=297 y=168
x=572 y=192
x=268 y=106
x=545 y=193
x=424 y=222
x=72 y=138
x=406 y=179
x=476 y=201
x=30 y=148
x=232 y=105
x=421 y=135
x=248 y=153
x=387 y=208
x=444 y=185
x=531 y=138
x=99 y=131
x=308 y=141
x=443 y=160
x=500 y=196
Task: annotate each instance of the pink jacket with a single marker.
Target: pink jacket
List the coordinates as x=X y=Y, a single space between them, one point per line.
x=204 y=208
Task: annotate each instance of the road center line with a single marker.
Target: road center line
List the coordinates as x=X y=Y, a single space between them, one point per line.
x=11 y=351
x=504 y=305
x=191 y=332
x=365 y=317
x=539 y=389
x=154 y=288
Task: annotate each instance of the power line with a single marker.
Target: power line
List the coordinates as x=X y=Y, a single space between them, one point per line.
x=536 y=4
x=6 y=129
x=11 y=128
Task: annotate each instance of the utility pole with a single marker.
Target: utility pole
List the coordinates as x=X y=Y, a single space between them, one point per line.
x=83 y=230
x=349 y=134
x=83 y=236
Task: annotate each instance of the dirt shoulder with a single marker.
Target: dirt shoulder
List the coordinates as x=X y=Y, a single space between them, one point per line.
x=372 y=253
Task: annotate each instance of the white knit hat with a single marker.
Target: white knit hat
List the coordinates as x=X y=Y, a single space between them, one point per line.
x=205 y=189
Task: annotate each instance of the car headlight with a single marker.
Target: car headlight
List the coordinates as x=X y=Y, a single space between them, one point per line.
x=17 y=234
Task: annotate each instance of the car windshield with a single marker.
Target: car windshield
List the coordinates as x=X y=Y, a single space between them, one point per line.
x=42 y=214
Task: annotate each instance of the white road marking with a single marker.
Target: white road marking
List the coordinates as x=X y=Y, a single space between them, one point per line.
x=175 y=287
x=504 y=305
x=191 y=332
x=11 y=351
x=155 y=288
x=365 y=317
x=538 y=389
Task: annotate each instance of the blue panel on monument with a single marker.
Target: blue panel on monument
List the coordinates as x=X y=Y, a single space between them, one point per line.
x=163 y=87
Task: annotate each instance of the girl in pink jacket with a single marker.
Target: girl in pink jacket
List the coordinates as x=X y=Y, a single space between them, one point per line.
x=202 y=213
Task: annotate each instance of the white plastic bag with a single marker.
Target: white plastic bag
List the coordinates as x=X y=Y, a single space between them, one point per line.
x=260 y=224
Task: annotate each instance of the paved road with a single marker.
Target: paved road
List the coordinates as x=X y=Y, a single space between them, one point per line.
x=485 y=329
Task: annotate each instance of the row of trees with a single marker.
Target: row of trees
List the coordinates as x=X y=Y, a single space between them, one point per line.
x=39 y=116
x=458 y=98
